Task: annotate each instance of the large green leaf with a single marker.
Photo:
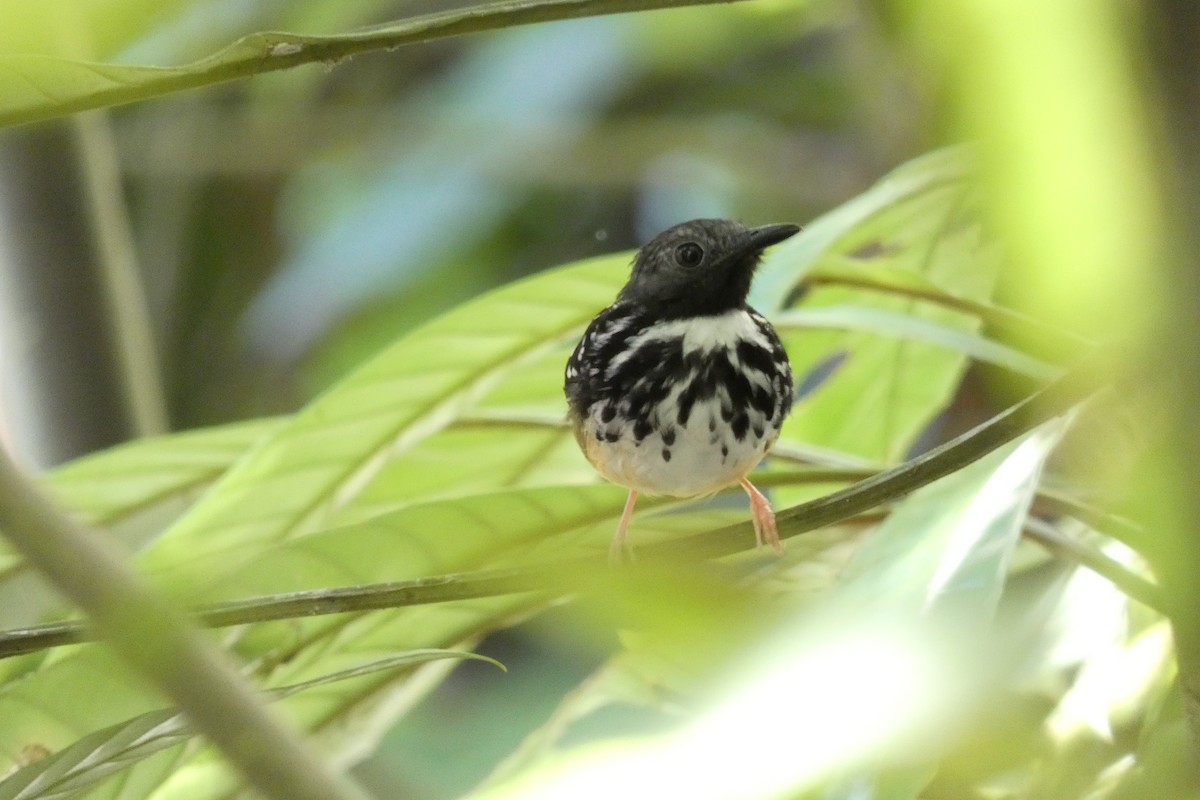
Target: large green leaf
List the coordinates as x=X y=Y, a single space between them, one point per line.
x=299 y=480
x=132 y=492
x=885 y=389
x=135 y=489
x=304 y=472
x=106 y=488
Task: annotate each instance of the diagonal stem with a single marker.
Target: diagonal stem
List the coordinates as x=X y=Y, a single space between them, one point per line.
x=158 y=643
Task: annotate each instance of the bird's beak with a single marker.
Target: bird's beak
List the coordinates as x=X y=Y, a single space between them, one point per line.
x=758 y=239
x=763 y=237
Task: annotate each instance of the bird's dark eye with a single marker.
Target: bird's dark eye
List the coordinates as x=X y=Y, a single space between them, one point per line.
x=689 y=254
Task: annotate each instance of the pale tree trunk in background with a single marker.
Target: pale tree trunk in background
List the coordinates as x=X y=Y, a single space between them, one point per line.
x=59 y=395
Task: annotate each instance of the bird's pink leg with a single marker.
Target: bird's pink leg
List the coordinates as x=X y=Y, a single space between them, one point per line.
x=763 y=517
x=620 y=548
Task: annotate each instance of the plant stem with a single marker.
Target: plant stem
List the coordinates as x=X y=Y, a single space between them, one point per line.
x=160 y=644
x=272 y=51
x=124 y=297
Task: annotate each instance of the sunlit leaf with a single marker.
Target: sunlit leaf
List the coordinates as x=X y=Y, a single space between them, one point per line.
x=945 y=551
x=937 y=563
x=133 y=492
x=109 y=486
x=135 y=489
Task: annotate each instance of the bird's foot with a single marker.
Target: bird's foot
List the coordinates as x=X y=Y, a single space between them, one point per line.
x=619 y=551
x=763 y=517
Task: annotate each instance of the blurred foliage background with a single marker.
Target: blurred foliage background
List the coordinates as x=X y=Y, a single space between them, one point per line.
x=291 y=225
x=262 y=238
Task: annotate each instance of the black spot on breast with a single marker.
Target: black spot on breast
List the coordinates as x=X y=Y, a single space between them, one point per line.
x=758 y=431
x=668 y=437
x=741 y=424
x=712 y=424
x=608 y=413
x=762 y=400
x=641 y=429
x=599 y=436
x=724 y=451
x=687 y=399
x=666 y=454
x=755 y=357
x=611 y=436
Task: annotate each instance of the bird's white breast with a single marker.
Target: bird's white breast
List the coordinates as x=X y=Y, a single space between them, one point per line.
x=698 y=456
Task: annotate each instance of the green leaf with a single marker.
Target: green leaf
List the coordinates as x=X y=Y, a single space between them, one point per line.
x=98 y=755
x=774 y=282
x=134 y=489
x=36 y=87
x=885 y=389
x=298 y=481
x=106 y=487
x=133 y=492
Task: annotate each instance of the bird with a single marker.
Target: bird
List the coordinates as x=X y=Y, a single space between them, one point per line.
x=679 y=387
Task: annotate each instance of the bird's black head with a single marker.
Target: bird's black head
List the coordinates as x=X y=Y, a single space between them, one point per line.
x=699 y=268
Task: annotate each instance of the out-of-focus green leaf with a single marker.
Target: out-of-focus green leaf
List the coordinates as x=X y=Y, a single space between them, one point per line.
x=938 y=563
x=317 y=461
x=99 y=26
x=133 y=492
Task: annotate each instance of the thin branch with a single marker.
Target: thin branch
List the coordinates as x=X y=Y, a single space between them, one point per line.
x=159 y=643
x=1063 y=546
x=1056 y=399
x=271 y=51
x=1049 y=339
x=562 y=576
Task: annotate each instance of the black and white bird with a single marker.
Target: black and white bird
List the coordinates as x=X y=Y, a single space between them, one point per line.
x=679 y=387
